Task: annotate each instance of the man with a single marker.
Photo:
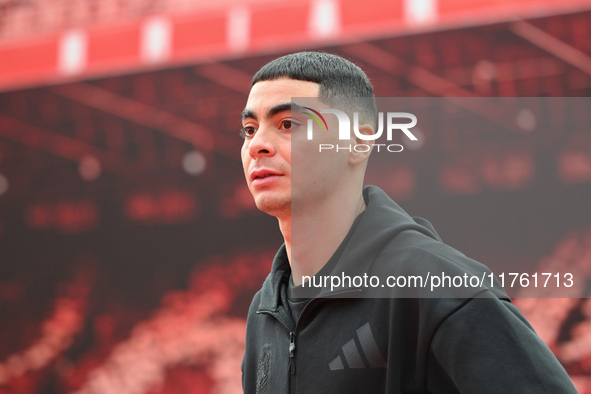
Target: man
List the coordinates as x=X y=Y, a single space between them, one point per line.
x=336 y=341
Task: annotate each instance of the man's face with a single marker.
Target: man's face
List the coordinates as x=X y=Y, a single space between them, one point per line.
x=266 y=152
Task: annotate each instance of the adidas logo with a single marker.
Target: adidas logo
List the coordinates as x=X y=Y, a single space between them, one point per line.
x=369 y=347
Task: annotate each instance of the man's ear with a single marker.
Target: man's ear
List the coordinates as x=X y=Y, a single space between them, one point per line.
x=362 y=148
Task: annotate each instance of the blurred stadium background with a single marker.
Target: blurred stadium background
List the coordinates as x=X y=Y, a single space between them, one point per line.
x=129 y=244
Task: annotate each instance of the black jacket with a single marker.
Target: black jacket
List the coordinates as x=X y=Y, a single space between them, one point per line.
x=399 y=343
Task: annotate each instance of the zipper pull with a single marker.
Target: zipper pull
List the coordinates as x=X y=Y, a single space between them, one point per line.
x=291 y=352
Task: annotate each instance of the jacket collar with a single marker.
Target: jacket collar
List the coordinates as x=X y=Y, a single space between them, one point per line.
x=271 y=290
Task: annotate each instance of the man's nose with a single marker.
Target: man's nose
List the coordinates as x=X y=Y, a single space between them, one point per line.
x=262 y=143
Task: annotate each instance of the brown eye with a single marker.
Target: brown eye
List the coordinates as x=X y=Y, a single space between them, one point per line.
x=247 y=131
x=286 y=124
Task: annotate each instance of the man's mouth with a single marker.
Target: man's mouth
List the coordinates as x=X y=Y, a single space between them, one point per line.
x=263 y=177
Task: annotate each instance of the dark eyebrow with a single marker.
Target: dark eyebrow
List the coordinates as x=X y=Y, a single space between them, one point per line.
x=247 y=113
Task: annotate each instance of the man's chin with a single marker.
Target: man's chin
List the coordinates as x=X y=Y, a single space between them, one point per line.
x=274 y=205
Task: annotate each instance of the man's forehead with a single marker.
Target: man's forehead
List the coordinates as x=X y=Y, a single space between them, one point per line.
x=280 y=90
x=268 y=98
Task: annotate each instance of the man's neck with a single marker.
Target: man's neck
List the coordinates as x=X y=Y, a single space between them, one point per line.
x=312 y=237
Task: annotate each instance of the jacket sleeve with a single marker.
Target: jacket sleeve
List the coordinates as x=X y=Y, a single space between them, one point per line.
x=487 y=346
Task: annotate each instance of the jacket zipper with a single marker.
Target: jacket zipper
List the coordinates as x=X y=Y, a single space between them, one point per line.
x=291 y=352
x=292 y=335
x=292 y=347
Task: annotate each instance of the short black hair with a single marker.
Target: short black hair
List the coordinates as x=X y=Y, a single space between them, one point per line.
x=337 y=77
